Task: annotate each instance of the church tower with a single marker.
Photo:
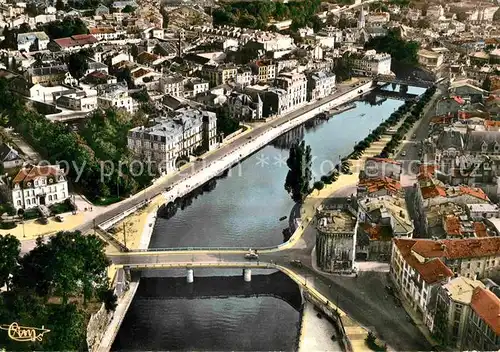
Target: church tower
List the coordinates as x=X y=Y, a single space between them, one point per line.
x=361 y=20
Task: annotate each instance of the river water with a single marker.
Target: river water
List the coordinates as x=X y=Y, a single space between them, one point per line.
x=243 y=210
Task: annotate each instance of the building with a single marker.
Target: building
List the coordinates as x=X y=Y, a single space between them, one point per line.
x=220 y=74
x=35 y=186
x=483 y=326
x=33 y=41
x=320 y=84
x=452 y=310
x=195 y=86
x=295 y=86
x=370 y=63
x=106 y=33
x=416 y=276
x=263 y=70
x=245 y=108
x=336 y=239
x=9 y=157
x=172 y=85
x=76 y=42
x=186 y=131
x=430 y=59
x=115 y=96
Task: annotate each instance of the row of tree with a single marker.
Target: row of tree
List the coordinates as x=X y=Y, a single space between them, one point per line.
x=53 y=286
x=102 y=143
x=415 y=115
x=257 y=14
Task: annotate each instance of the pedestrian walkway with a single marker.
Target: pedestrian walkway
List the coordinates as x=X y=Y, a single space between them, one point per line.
x=316 y=333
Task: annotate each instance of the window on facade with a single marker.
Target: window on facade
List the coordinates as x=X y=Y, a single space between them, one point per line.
x=478 y=265
x=28 y=202
x=55 y=196
x=18 y=202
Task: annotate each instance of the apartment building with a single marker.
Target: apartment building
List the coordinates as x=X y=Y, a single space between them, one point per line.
x=452 y=310
x=320 y=84
x=220 y=74
x=33 y=41
x=436 y=260
x=263 y=70
x=172 y=85
x=295 y=86
x=36 y=185
x=180 y=134
x=115 y=96
x=244 y=107
x=371 y=63
x=483 y=326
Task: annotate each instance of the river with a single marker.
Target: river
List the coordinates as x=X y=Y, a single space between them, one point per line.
x=243 y=210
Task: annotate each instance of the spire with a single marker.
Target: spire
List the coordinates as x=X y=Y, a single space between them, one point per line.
x=361 y=20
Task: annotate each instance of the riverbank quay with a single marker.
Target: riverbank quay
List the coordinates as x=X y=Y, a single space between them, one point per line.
x=316 y=333
x=229 y=154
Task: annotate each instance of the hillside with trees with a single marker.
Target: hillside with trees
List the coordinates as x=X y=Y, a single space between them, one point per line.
x=257 y=14
x=57 y=285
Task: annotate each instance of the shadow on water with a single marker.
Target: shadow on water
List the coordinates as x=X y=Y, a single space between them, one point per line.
x=275 y=285
x=219 y=313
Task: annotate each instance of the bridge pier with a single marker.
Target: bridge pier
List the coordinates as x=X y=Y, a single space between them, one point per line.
x=247 y=275
x=190 y=276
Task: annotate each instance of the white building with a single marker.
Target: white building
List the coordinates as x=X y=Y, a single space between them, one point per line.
x=179 y=135
x=115 y=96
x=172 y=85
x=435 y=12
x=33 y=41
x=195 y=86
x=320 y=85
x=38 y=185
x=416 y=276
x=295 y=85
x=430 y=59
x=371 y=63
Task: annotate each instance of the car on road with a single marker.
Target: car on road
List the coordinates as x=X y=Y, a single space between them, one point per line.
x=168 y=189
x=59 y=218
x=249 y=137
x=251 y=256
x=199 y=159
x=403 y=153
x=297 y=263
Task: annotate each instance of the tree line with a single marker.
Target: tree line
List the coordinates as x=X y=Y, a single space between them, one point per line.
x=56 y=285
x=103 y=139
x=66 y=27
x=257 y=14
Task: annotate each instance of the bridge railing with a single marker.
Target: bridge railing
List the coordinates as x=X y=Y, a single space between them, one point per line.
x=207 y=249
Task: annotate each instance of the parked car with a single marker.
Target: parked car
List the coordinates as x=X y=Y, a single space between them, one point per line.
x=169 y=188
x=60 y=218
x=403 y=153
x=199 y=159
x=43 y=220
x=296 y=263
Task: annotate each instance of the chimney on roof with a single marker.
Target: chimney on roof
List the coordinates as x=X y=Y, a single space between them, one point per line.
x=443 y=247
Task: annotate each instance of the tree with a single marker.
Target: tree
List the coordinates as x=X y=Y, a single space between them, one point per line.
x=319 y=185
x=9 y=255
x=77 y=65
x=487 y=83
x=423 y=23
x=60 y=5
x=461 y=16
x=128 y=9
x=299 y=176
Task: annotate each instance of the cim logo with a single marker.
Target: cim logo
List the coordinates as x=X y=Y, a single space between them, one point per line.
x=24 y=333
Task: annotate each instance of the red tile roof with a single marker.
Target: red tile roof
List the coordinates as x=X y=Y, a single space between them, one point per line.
x=431 y=271
x=452 y=225
x=427 y=171
x=480 y=229
x=487 y=305
x=475 y=192
x=432 y=191
x=29 y=173
x=376 y=184
x=76 y=40
x=456 y=248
